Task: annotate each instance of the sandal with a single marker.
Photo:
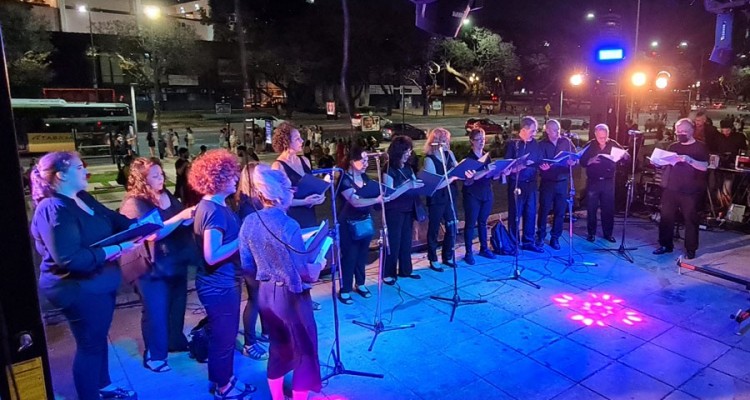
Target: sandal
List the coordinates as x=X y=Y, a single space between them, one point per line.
x=117 y=393
x=363 y=291
x=155 y=365
x=263 y=338
x=389 y=280
x=346 y=298
x=233 y=392
x=316 y=306
x=255 y=351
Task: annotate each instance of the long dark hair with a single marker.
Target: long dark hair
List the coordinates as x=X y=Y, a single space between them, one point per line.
x=399 y=146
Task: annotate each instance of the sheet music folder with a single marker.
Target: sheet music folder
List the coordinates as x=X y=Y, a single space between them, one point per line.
x=309 y=185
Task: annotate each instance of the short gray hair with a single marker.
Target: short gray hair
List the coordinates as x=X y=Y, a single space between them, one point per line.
x=602 y=127
x=526 y=122
x=553 y=121
x=273 y=186
x=687 y=121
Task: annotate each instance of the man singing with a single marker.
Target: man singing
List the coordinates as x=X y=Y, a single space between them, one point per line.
x=553 y=188
x=600 y=183
x=526 y=183
x=683 y=185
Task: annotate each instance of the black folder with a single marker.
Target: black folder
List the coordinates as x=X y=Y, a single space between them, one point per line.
x=309 y=185
x=134 y=233
x=431 y=182
x=467 y=164
x=371 y=190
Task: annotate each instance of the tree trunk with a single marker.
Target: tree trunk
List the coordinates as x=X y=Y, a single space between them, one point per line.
x=425 y=98
x=467 y=103
x=157 y=93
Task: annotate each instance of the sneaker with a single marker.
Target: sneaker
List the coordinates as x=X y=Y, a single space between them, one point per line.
x=486 y=254
x=256 y=351
x=469 y=259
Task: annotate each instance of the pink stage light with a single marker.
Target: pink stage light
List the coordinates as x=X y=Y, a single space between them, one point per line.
x=598 y=309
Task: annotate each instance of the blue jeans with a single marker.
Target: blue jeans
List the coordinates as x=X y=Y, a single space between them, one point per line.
x=223 y=311
x=163 y=317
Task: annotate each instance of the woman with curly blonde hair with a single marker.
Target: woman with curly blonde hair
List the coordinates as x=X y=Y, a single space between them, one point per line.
x=216 y=229
x=159 y=268
x=289 y=144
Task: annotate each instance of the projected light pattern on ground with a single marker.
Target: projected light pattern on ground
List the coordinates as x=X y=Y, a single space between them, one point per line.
x=598 y=309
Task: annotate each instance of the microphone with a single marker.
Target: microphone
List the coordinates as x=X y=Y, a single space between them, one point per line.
x=633 y=132
x=326 y=170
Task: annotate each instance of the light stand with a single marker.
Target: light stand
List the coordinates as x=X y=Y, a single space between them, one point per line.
x=456 y=300
x=622 y=251
x=384 y=248
x=570 y=262
x=338 y=365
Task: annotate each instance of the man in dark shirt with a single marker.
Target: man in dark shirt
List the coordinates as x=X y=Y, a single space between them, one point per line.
x=325 y=161
x=705 y=131
x=600 y=182
x=683 y=185
x=553 y=188
x=728 y=143
x=524 y=179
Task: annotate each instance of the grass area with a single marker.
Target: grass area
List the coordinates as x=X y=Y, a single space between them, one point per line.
x=103 y=177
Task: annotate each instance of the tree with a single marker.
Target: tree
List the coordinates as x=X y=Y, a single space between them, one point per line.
x=149 y=51
x=479 y=55
x=28 y=69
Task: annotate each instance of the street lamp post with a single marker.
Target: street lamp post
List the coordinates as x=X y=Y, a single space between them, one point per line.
x=84 y=9
x=135 y=117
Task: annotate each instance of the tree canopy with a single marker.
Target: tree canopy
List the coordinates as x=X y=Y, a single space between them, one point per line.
x=27 y=48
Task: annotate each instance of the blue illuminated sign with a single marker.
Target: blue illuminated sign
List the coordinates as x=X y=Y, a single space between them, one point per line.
x=610 y=54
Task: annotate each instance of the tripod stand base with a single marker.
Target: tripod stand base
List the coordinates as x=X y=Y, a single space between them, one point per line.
x=516 y=277
x=378 y=328
x=569 y=262
x=339 y=369
x=456 y=301
x=622 y=252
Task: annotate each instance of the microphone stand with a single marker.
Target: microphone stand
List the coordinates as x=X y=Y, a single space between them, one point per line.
x=570 y=262
x=516 y=268
x=338 y=365
x=384 y=248
x=622 y=251
x=455 y=300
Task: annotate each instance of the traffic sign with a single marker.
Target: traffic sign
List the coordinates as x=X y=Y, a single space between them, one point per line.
x=223 y=108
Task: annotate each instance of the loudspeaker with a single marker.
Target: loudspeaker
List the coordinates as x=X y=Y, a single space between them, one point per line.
x=722 y=52
x=443 y=17
x=603 y=111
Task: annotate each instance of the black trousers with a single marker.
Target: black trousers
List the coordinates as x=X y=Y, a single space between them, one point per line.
x=526 y=210
x=687 y=205
x=223 y=311
x=163 y=316
x=601 y=194
x=353 y=258
x=476 y=213
x=553 y=196
x=437 y=214
x=250 y=313
x=400 y=226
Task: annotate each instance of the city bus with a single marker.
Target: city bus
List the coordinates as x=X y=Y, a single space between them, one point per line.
x=45 y=125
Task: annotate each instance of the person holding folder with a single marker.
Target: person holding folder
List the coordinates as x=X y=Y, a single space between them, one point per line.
x=523 y=178
x=289 y=144
x=554 y=185
x=439 y=207
x=478 y=198
x=400 y=210
x=272 y=242
x=77 y=277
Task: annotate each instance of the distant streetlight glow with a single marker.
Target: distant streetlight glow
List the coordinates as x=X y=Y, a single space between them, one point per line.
x=576 y=79
x=152 y=12
x=654 y=44
x=662 y=79
x=683 y=44
x=590 y=15
x=638 y=79
x=466 y=21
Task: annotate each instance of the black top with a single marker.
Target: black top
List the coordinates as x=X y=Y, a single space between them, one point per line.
x=605 y=169
x=304 y=215
x=682 y=177
x=441 y=195
x=210 y=215
x=348 y=211
x=63 y=235
x=481 y=189
x=181 y=178
x=731 y=144
x=405 y=202
x=325 y=161
x=556 y=172
x=517 y=149
x=172 y=254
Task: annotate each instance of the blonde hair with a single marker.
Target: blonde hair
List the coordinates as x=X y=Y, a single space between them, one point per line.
x=435 y=135
x=44 y=175
x=138 y=186
x=272 y=186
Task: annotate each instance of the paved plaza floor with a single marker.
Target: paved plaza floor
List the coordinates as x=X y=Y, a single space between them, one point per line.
x=617 y=330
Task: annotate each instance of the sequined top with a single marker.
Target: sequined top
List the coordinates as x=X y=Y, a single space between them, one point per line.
x=265 y=240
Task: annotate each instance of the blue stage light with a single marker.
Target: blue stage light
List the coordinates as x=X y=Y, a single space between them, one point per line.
x=610 y=54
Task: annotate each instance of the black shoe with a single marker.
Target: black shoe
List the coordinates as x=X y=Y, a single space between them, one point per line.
x=118 y=393
x=554 y=243
x=662 y=250
x=389 y=280
x=590 y=238
x=450 y=264
x=532 y=247
x=412 y=276
x=690 y=255
x=469 y=259
x=486 y=254
x=539 y=242
x=435 y=267
x=610 y=239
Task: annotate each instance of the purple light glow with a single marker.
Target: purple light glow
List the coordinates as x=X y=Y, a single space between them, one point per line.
x=598 y=309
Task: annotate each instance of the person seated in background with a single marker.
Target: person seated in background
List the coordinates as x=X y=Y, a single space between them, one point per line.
x=728 y=143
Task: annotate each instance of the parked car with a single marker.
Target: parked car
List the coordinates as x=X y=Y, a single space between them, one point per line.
x=391 y=130
x=490 y=127
x=742 y=107
x=718 y=106
x=261 y=118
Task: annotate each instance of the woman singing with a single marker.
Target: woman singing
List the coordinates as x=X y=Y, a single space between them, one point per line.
x=439 y=207
x=400 y=212
x=79 y=278
x=288 y=142
x=216 y=229
x=163 y=288
x=477 y=199
x=248 y=203
x=272 y=241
